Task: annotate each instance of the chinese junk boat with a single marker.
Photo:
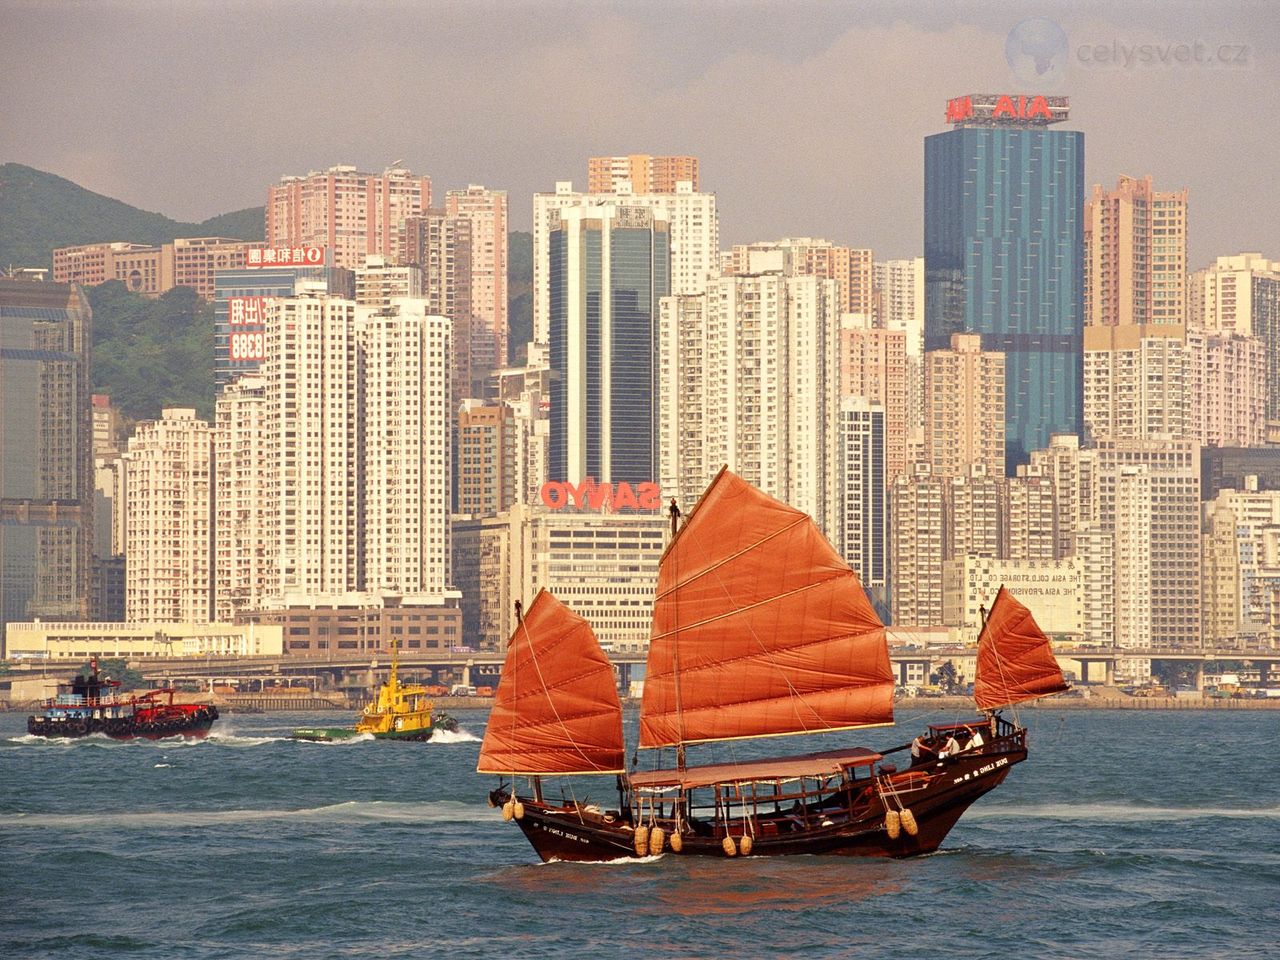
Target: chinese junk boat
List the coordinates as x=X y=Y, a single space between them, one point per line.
x=759 y=629
x=403 y=711
x=94 y=706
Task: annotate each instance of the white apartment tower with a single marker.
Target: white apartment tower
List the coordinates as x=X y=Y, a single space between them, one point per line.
x=749 y=378
x=1133 y=507
x=862 y=536
x=1227 y=389
x=404 y=455
x=167 y=542
x=309 y=376
x=244 y=571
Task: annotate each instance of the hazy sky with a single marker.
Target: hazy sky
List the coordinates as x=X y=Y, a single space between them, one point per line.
x=808 y=117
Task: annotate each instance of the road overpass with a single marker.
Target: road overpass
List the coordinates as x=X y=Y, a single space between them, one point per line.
x=447 y=668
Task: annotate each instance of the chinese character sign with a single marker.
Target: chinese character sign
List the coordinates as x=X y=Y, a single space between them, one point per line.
x=284 y=257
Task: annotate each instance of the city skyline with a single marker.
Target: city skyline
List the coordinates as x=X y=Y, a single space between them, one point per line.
x=821 y=155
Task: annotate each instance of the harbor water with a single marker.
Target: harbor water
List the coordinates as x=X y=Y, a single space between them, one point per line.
x=1126 y=834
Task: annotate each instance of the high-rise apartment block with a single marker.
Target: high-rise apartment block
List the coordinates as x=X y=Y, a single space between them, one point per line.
x=873 y=365
x=692 y=225
x=239 y=309
x=1242 y=565
x=441 y=246
x=609 y=267
x=964 y=388
x=1137 y=382
x=486 y=211
x=46 y=452
x=350 y=213
x=640 y=173
x=749 y=377
x=1004 y=196
x=151 y=271
x=849 y=267
x=403 y=455
x=863 y=535
x=1151 y=489
x=245 y=554
x=1241 y=294
x=379 y=281
x=485 y=471
x=167 y=544
x=918 y=547
x=1227 y=389
x=1135 y=266
x=899 y=300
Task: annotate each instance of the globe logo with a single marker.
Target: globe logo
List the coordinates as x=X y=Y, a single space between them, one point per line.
x=1036 y=50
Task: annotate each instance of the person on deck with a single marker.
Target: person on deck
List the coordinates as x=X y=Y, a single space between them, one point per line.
x=950 y=748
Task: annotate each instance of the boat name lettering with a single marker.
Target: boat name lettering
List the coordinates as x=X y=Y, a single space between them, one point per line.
x=562 y=833
x=985 y=768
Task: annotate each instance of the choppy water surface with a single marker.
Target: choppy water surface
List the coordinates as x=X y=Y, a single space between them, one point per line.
x=1127 y=834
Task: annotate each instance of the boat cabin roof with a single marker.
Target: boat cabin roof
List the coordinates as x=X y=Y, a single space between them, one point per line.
x=825 y=764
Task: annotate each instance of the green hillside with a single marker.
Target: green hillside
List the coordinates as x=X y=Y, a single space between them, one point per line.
x=40 y=211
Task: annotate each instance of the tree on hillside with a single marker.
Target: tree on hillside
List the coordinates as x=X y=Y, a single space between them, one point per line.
x=151 y=354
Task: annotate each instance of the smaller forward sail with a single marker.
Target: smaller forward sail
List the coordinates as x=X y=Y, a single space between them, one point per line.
x=1015 y=662
x=556 y=709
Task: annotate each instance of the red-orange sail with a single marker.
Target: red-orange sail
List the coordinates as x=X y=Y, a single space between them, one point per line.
x=556 y=709
x=759 y=629
x=1015 y=662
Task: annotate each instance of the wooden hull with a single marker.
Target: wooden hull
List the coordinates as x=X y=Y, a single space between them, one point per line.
x=937 y=794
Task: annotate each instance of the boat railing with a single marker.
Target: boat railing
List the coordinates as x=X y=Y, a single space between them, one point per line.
x=75 y=700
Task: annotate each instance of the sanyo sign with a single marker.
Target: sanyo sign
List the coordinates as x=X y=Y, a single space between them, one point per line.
x=558 y=495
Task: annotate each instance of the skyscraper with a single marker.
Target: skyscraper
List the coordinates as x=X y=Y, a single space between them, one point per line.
x=1003 y=254
x=692 y=227
x=609 y=266
x=46 y=452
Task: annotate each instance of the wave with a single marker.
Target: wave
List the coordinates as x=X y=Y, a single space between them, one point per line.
x=616 y=862
x=453 y=736
x=352 y=811
x=1119 y=813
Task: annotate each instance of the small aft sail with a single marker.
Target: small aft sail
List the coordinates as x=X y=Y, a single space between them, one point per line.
x=1015 y=662
x=556 y=709
x=759 y=629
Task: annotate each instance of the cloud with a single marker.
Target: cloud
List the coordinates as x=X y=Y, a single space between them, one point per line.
x=808 y=118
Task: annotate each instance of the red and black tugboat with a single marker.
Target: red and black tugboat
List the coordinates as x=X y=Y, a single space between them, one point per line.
x=94 y=706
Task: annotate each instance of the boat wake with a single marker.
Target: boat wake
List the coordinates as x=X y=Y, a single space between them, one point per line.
x=355 y=811
x=453 y=736
x=1119 y=813
x=616 y=862
x=362 y=738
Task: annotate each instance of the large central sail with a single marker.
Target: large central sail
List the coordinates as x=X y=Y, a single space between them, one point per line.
x=1015 y=661
x=556 y=709
x=759 y=629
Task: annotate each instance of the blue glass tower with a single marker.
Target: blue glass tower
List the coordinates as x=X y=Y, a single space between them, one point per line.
x=1004 y=255
x=608 y=268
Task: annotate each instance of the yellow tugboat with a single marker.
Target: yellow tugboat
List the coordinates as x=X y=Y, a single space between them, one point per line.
x=403 y=711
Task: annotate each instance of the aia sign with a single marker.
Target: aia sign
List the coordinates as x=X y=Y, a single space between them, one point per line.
x=558 y=495
x=1003 y=107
